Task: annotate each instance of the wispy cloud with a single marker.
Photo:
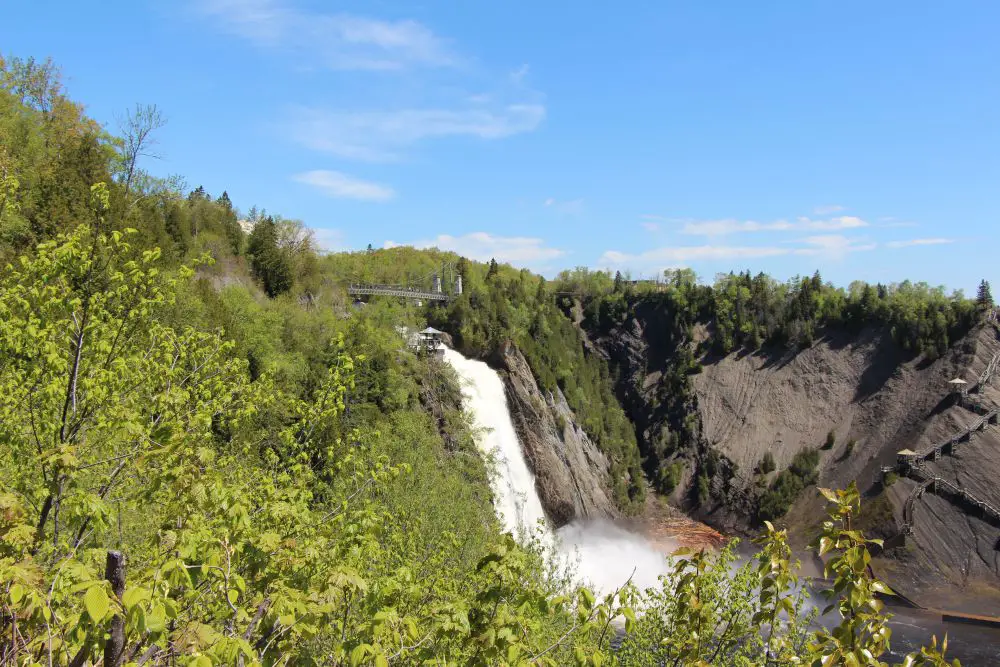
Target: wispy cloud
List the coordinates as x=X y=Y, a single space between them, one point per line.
x=569 y=207
x=342 y=186
x=918 y=242
x=831 y=246
x=483 y=246
x=729 y=226
x=650 y=227
x=333 y=40
x=828 y=209
x=381 y=136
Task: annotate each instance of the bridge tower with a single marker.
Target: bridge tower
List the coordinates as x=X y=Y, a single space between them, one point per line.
x=458 y=285
x=437 y=283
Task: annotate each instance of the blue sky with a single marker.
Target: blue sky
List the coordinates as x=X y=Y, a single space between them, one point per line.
x=861 y=138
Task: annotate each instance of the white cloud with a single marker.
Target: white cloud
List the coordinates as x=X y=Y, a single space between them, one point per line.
x=833 y=246
x=651 y=227
x=336 y=40
x=728 y=226
x=342 y=186
x=483 y=246
x=828 y=209
x=382 y=135
x=918 y=242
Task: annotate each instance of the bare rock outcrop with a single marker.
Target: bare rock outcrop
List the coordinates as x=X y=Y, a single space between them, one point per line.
x=571 y=473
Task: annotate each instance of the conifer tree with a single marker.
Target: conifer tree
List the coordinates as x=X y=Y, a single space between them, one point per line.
x=984 y=297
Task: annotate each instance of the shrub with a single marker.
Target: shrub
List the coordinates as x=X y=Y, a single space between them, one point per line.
x=831 y=440
x=704 y=491
x=766 y=464
x=850 y=447
x=670 y=476
x=787 y=486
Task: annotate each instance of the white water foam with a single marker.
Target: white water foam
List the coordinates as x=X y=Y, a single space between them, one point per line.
x=602 y=554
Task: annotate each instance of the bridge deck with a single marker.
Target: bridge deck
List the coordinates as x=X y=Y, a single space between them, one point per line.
x=389 y=290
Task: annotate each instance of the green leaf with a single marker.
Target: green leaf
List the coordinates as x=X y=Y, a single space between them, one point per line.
x=97 y=603
x=156 y=619
x=134 y=596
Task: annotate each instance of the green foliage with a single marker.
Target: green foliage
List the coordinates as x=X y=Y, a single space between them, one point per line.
x=269 y=264
x=670 y=476
x=704 y=490
x=787 y=486
x=984 y=296
x=276 y=525
x=767 y=464
x=750 y=311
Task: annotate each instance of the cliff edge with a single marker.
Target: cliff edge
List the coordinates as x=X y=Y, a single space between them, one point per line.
x=571 y=473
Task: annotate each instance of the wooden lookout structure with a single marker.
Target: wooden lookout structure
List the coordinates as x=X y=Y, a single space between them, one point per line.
x=958 y=387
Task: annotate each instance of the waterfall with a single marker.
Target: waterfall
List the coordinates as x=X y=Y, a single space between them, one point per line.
x=602 y=554
x=516 y=500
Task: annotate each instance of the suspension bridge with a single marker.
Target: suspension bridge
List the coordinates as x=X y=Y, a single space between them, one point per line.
x=429 y=287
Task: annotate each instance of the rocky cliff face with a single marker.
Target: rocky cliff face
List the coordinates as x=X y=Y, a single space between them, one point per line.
x=571 y=473
x=876 y=400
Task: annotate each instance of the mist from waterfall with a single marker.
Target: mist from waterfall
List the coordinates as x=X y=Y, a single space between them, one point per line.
x=600 y=553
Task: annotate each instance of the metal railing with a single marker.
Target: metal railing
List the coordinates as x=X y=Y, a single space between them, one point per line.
x=396 y=290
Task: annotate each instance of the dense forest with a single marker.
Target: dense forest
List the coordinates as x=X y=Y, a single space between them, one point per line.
x=749 y=312
x=208 y=456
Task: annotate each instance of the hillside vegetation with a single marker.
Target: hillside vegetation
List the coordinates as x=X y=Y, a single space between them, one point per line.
x=207 y=457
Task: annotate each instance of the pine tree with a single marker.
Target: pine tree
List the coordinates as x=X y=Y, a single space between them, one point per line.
x=984 y=297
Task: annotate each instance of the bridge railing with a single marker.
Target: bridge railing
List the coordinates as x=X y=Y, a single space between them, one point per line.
x=933 y=482
x=987 y=374
x=396 y=290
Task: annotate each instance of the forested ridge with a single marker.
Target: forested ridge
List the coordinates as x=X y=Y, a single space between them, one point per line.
x=207 y=456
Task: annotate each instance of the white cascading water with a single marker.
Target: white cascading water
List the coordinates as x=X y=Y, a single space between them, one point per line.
x=516 y=501
x=602 y=554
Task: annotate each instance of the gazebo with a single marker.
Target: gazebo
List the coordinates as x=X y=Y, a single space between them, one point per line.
x=958 y=386
x=430 y=340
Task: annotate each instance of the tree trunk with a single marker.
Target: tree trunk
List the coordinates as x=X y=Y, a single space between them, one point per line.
x=114 y=571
